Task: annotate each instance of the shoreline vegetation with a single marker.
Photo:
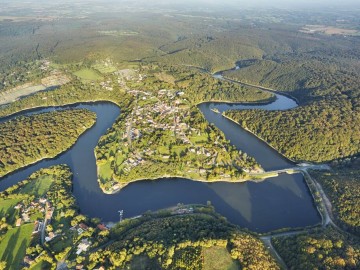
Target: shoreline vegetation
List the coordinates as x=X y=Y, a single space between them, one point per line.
x=259 y=87
x=263 y=140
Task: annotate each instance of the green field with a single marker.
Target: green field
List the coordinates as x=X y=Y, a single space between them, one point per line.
x=178 y=149
x=198 y=139
x=218 y=258
x=7 y=208
x=39 y=186
x=40 y=266
x=104 y=68
x=87 y=74
x=14 y=244
x=106 y=171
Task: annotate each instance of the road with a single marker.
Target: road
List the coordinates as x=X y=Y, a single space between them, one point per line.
x=326 y=214
x=299 y=168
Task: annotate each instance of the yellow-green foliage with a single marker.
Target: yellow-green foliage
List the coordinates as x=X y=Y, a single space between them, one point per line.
x=321 y=131
x=183 y=242
x=342 y=186
x=324 y=249
x=28 y=139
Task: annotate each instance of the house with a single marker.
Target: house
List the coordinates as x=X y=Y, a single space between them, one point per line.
x=83 y=226
x=50 y=237
x=42 y=200
x=25 y=217
x=28 y=260
x=102 y=227
x=202 y=171
x=83 y=246
x=37 y=227
x=18 y=222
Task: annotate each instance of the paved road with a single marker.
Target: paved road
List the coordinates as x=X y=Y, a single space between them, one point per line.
x=327 y=214
x=299 y=168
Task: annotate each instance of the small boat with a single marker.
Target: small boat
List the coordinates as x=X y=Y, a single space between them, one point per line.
x=215 y=110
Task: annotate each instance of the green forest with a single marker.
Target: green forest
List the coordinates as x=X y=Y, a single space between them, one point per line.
x=178 y=242
x=325 y=82
x=27 y=139
x=321 y=249
x=342 y=186
x=320 y=132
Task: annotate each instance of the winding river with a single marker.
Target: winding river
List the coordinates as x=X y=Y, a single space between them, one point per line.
x=284 y=201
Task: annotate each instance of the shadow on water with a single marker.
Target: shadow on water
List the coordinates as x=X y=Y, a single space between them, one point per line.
x=273 y=204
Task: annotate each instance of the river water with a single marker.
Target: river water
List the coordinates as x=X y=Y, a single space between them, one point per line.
x=284 y=201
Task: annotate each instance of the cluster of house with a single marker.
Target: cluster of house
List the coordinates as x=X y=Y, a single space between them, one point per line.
x=133 y=161
x=80 y=228
x=41 y=205
x=107 y=85
x=129 y=75
x=85 y=243
x=183 y=211
x=164 y=114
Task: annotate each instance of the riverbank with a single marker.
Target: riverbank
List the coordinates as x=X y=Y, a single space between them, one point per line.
x=260 y=102
x=203 y=180
x=34 y=109
x=259 y=86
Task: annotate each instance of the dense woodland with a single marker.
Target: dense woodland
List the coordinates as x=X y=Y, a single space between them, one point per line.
x=177 y=243
x=342 y=186
x=322 y=249
x=319 y=132
x=27 y=139
x=325 y=81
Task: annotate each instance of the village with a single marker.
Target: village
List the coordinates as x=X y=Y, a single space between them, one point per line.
x=164 y=128
x=83 y=234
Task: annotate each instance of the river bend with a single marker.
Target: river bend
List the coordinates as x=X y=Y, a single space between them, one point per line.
x=284 y=201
